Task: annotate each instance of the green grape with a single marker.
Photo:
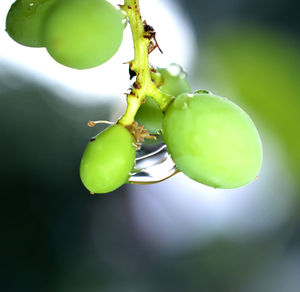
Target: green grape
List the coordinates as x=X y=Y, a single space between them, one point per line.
x=212 y=140
x=83 y=34
x=108 y=160
x=25 y=20
x=150 y=116
x=173 y=82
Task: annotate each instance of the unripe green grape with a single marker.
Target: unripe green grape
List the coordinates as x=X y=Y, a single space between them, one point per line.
x=83 y=34
x=212 y=140
x=24 y=21
x=173 y=82
x=108 y=160
x=150 y=116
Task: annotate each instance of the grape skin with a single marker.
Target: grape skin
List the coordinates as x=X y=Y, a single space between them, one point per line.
x=174 y=84
x=83 y=34
x=108 y=160
x=212 y=140
x=24 y=21
x=149 y=114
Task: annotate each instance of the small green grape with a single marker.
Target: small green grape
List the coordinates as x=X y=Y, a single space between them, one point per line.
x=212 y=140
x=173 y=82
x=83 y=34
x=108 y=160
x=150 y=116
x=24 y=21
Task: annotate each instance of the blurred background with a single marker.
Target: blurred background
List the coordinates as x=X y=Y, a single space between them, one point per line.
x=177 y=235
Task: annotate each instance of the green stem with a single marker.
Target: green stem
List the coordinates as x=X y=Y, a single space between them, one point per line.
x=140 y=65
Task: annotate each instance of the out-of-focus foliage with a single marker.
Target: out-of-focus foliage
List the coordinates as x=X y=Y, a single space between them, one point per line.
x=259 y=68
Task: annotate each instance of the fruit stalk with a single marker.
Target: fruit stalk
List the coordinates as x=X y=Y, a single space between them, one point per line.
x=142 y=37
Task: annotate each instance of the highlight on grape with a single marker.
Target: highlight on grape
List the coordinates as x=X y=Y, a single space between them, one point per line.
x=210 y=139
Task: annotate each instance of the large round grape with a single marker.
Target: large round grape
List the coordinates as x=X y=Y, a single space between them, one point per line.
x=212 y=140
x=83 y=34
x=173 y=82
x=24 y=21
x=108 y=160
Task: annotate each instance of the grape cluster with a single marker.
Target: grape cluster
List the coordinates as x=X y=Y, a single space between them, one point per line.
x=171 y=80
x=210 y=139
x=78 y=34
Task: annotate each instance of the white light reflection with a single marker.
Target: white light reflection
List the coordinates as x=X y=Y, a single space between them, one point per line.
x=110 y=79
x=180 y=213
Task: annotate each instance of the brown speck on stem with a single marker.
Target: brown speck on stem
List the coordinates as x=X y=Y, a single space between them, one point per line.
x=136 y=85
x=153 y=70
